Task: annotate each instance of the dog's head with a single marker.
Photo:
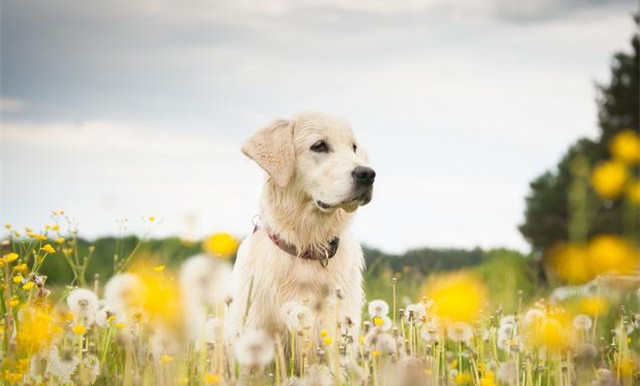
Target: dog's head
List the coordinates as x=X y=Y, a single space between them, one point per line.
x=317 y=155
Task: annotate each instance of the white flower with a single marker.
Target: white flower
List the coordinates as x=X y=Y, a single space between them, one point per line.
x=380 y=341
x=460 y=332
x=582 y=322
x=204 y=280
x=121 y=293
x=83 y=305
x=214 y=331
x=254 y=348
x=533 y=315
x=415 y=312
x=378 y=308
x=508 y=320
x=431 y=331
x=296 y=315
x=317 y=375
x=61 y=367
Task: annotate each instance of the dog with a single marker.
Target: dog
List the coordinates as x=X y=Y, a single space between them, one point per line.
x=317 y=176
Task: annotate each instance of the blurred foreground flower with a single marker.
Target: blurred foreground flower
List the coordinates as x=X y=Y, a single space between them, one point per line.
x=608 y=179
x=625 y=146
x=457 y=296
x=605 y=254
x=221 y=245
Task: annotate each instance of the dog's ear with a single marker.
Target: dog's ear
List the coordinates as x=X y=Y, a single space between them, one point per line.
x=272 y=148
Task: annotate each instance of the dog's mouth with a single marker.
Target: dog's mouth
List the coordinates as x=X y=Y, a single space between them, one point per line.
x=359 y=198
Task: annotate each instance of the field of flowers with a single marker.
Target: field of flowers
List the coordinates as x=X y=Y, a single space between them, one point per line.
x=150 y=325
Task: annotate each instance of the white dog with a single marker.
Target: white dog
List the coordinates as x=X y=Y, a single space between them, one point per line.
x=300 y=252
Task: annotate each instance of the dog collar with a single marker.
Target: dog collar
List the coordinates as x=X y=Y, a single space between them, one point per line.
x=322 y=255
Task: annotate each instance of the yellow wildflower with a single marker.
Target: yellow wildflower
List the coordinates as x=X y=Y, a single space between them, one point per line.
x=36 y=329
x=212 y=379
x=457 y=296
x=159 y=268
x=28 y=286
x=375 y=353
x=327 y=340
x=324 y=333
x=611 y=254
x=7 y=226
x=571 y=263
x=21 y=267
x=626 y=146
x=593 y=306
x=166 y=359
x=79 y=329
x=378 y=321
x=17 y=278
x=463 y=378
x=60 y=240
x=608 y=179
x=488 y=379
x=9 y=257
x=55 y=227
x=221 y=245
x=48 y=248
x=14 y=301
x=633 y=192
x=39 y=236
x=550 y=332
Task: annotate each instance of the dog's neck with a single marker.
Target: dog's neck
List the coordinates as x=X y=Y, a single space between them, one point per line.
x=294 y=217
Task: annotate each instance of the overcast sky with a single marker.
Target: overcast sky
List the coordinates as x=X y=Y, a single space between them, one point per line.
x=131 y=108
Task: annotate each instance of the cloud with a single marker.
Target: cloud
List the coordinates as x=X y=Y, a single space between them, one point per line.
x=8 y=105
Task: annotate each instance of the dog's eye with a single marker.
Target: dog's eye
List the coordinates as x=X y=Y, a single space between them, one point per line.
x=355 y=147
x=320 y=147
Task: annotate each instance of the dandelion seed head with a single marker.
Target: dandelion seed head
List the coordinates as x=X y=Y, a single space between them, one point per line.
x=254 y=348
x=582 y=322
x=378 y=308
x=83 y=304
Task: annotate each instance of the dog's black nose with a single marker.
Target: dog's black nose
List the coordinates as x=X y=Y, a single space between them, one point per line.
x=364 y=175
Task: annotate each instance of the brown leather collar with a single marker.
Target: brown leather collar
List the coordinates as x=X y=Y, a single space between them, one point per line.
x=322 y=256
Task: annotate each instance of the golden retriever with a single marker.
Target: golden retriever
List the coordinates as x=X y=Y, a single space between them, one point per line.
x=317 y=176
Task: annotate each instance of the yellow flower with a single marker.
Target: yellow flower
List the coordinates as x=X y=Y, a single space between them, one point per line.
x=327 y=340
x=7 y=226
x=361 y=339
x=21 y=267
x=78 y=329
x=28 y=286
x=221 y=245
x=457 y=296
x=378 y=321
x=159 y=268
x=593 y=306
x=48 y=248
x=55 y=227
x=9 y=257
x=152 y=218
x=212 y=379
x=626 y=146
x=14 y=302
x=324 y=333
x=119 y=326
x=551 y=332
x=488 y=379
x=60 y=240
x=611 y=254
x=571 y=263
x=608 y=179
x=166 y=359
x=463 y=378
x=17 y=278
x=36 y=329
x=39 y=236
x=633 y=192
x=375 y=353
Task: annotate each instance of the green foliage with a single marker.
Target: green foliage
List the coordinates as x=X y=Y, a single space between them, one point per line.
x=547 y=218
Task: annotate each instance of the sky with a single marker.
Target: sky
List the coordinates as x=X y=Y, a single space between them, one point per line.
x=119 y=109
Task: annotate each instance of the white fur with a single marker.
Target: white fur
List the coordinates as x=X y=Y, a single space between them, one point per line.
x=289 y=208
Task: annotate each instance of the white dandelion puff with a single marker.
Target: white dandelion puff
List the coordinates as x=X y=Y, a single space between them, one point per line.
x=460 y=332
x=296 y=315
x=431 y=331
x=378 y=308
x=317 y=375
x=533 y=315
x=214 y=330
x=415 y=312
x=61 y=367
x=121 y=293
x=254 y=348
x=380 y=341
x=83 y=304
x=582 y=322
x=508 y=320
